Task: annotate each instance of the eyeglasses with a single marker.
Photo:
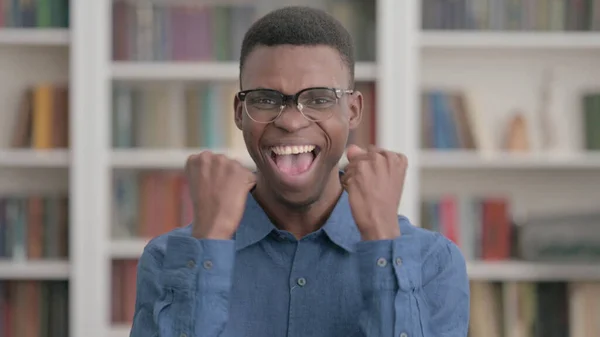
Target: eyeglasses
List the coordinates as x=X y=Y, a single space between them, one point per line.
x=266 y=105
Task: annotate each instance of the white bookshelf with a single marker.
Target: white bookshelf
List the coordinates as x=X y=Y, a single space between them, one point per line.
x=501 y=71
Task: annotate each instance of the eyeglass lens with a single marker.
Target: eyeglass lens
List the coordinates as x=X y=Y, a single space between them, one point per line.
x=315 y=104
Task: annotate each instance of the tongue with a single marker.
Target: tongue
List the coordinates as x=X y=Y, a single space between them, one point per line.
x=294 y=163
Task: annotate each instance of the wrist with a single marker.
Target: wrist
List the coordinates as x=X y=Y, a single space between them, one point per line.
x=212 y=233
x=388 y=230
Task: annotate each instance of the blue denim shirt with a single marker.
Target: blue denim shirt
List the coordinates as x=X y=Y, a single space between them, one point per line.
x=265 y=283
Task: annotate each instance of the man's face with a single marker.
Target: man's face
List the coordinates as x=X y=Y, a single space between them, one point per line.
x=297 y=156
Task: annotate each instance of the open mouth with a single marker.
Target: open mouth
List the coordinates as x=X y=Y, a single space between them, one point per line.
x=294 y=160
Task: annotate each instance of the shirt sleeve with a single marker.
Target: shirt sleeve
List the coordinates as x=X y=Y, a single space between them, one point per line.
x=193 y=276
x=410 y=294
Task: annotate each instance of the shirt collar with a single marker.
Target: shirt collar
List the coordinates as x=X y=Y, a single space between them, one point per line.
x=256 y=225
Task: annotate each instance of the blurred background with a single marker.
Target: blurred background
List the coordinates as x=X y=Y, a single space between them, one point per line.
x=102 y=102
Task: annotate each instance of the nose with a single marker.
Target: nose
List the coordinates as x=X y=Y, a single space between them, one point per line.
x=291 y=119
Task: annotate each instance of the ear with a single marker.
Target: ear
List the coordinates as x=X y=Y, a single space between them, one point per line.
x=238 y=110
x=355 y=109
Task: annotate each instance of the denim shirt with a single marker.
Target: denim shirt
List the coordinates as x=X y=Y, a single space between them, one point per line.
x=265 y=283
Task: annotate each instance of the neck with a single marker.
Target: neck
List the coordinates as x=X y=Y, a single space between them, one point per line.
x=299 y=220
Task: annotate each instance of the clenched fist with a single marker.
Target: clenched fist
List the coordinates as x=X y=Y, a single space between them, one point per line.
x=374 y=180
x=218 y=188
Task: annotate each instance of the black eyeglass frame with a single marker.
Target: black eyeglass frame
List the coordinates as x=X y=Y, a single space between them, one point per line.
x=339 y=93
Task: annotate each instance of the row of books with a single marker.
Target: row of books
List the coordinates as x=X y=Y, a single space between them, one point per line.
x=34 y=227
x=485 y=228
x=480 y=226
x=174 y=117
x=196 y=115
x=447 y=121
x=30 y=14
x=149 y=203
x=34 y=309
x=512 y=15
x=591 y=120
x=43 y=118
x=147 y=31
x=528 y=309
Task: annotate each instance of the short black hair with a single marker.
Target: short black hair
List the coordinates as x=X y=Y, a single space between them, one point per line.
x=299 y=26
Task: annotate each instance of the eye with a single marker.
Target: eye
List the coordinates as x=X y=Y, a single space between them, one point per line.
x=320 y=100
x=263 y=100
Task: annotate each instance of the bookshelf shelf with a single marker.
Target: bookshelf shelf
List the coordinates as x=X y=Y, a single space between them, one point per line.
x=532 y=271
x=475 y=161
x=512 y=270
x=570 y=41
x=34 y=36
x=217 y=71
x=34 y=270
x=121 y=330
x=34 y=158
x=127 y=248
x=163 y=158
x=171 y=158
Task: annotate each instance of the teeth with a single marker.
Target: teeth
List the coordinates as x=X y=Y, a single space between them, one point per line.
x=295 y=149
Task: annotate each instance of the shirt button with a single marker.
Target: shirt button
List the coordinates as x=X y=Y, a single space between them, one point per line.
x=398 y=262
x=381 y=262
x=183 y=334
x=403 y=334
x=302 y=281
x=207 y=264
x=191 y=264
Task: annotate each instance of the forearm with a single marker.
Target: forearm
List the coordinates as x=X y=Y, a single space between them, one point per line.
x=387 y=279
x=189 y=293
x=407 y=291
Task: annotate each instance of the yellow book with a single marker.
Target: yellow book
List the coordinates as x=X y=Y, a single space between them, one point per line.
x=42 y=117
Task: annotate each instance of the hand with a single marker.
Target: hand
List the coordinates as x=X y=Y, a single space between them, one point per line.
x=219 y=188
x=374 y=180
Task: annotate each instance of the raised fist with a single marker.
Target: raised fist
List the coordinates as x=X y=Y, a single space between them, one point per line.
x=219 y=188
